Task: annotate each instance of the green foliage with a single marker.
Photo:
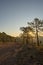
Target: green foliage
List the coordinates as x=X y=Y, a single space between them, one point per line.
x=6 y=38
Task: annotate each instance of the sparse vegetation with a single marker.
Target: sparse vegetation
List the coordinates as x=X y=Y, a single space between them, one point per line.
x=22 y=52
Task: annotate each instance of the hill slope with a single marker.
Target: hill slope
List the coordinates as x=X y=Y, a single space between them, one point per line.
x=6 y=38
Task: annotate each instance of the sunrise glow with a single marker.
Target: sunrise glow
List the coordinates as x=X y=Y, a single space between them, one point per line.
x=31 y=34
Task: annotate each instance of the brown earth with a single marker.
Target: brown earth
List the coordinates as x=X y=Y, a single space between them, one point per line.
x=17 y=54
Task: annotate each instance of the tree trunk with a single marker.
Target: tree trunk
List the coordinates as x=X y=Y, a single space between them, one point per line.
x=37 y=36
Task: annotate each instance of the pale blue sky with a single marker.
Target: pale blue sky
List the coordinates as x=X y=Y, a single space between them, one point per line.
x=16 y=13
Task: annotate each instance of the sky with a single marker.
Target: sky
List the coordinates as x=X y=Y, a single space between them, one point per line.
x=16 y=13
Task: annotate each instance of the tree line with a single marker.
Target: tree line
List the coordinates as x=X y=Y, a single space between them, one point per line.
x=35 y=27
x=6 y=38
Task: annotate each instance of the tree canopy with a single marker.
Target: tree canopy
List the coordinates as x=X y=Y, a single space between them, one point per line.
x=35 y=26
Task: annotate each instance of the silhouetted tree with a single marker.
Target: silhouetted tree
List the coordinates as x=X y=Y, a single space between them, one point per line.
x=26 y=31
x=37 y=25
